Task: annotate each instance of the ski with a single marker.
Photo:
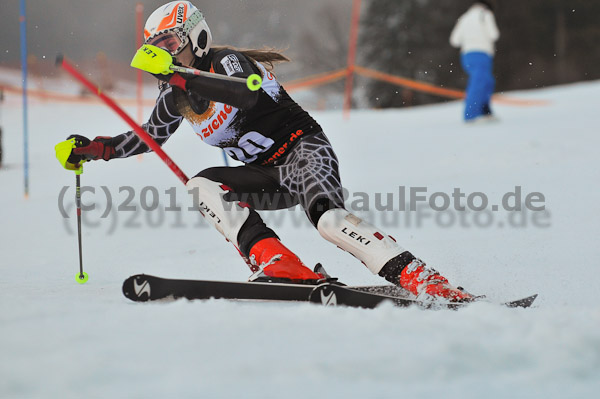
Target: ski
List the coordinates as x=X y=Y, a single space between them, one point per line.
x=395 y=291
x=143 y=288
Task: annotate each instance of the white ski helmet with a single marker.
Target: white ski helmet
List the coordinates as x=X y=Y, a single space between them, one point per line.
x=174 y=25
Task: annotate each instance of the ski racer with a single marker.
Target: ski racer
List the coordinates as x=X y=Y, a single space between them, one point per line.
x=287 y=159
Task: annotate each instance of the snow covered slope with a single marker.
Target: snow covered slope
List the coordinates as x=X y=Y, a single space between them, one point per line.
x=59 y=339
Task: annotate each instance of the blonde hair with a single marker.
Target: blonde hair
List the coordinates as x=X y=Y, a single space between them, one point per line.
x=266 y=56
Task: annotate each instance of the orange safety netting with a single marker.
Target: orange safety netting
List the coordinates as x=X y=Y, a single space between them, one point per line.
x=301 y=84
x=440 y=91
x=84 y=99
x=315 y=80
x=324 y=78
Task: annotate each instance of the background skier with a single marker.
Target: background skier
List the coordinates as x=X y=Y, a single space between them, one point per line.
x=475 y=33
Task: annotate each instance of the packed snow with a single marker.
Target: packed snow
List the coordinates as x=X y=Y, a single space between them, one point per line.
x=60 y=339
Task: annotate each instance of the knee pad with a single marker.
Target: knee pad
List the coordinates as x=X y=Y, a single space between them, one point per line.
x=227 y=217
x=363 y=240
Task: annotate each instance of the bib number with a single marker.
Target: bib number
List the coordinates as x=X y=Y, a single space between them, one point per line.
x=250 y=145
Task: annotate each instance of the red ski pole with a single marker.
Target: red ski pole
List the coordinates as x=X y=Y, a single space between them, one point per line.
x=141 y=133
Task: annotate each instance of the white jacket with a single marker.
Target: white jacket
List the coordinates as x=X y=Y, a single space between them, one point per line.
x=475 y=30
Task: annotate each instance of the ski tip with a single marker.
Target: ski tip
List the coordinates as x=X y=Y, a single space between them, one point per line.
x=59 y=59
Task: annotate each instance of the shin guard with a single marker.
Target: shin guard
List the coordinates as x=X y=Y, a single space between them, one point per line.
x=226 y=216
x=363 y=240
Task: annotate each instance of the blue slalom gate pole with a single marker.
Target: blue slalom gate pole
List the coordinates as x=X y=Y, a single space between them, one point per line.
x=23 y=24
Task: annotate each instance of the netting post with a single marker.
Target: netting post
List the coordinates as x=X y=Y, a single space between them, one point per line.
x=351 y=57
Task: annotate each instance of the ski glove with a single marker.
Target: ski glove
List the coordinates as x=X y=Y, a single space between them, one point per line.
x=174 y=79
x=86 y=149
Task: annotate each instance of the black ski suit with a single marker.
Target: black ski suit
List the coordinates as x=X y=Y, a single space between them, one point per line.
x=288 y=159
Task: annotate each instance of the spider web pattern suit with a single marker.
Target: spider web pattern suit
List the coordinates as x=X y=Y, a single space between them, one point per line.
x=163 y=122
x=310 y=173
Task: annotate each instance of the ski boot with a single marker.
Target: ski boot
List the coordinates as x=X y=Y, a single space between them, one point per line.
x=424 y=282
x=277 y=264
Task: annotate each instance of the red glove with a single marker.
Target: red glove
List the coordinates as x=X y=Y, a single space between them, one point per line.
x=174 y=79
x=100 y=147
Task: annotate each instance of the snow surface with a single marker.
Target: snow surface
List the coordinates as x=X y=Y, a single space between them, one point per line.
x=60 y=339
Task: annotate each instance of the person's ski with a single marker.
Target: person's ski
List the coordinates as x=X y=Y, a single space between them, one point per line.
x=142 y=288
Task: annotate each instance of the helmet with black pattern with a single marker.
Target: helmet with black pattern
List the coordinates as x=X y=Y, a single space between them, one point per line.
x=174 y=25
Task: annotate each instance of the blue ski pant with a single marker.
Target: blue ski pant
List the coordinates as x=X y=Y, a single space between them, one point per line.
x=480 y=87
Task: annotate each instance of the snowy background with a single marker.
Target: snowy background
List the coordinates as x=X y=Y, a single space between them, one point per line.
x=60 y=339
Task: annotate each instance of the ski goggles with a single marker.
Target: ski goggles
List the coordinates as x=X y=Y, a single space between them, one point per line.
x=175 y=39
x=169 y=41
